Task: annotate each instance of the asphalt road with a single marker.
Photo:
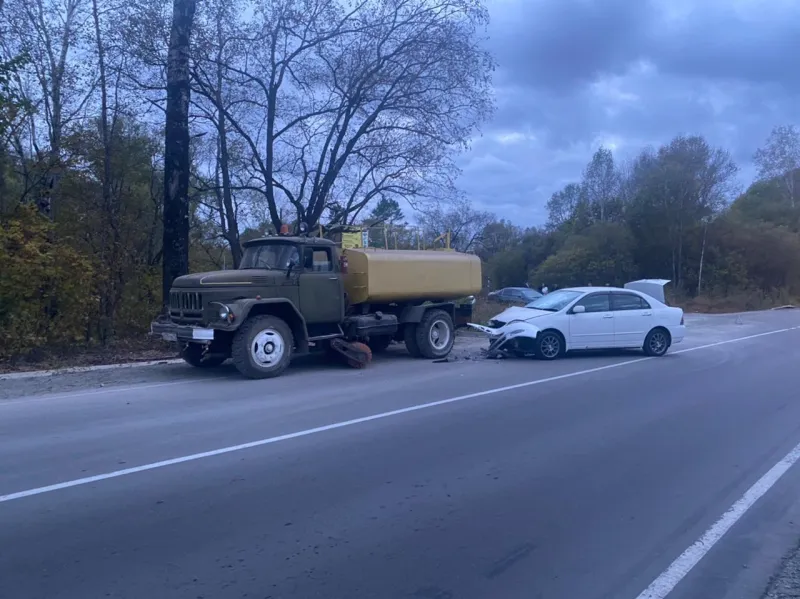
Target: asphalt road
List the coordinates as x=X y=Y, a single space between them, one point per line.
x=579 y=479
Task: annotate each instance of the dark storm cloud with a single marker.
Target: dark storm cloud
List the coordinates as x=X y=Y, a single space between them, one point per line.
x=756 y=45
x=561 y=43
x=627 y=73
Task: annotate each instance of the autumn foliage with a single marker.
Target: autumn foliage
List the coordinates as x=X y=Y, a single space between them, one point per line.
x=45 y=286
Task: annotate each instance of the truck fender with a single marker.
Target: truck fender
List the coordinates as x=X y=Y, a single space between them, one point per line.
x=414 y=314
x=279 y=307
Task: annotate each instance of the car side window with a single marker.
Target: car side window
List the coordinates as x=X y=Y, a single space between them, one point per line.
x=318 y=260
x=628 y=301
x=597 y=302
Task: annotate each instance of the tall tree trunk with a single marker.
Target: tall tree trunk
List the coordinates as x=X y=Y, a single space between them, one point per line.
x=176 y=149
x=109 y=248
x=3 y=196
x=230 y=224
x=702 y=259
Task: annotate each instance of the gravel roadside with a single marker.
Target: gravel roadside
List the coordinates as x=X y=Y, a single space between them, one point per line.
x=467 y=347
x=786 y=582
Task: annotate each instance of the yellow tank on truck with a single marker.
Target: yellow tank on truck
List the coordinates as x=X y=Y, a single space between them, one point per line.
x=389 y=276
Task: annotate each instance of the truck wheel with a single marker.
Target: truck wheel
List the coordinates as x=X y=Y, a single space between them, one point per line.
x=379 y=343
x=410 y=339
x=435 y=334
x=262 y=347
x=193 y=354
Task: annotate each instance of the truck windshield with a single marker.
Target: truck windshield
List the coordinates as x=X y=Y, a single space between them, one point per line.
x=276 y=256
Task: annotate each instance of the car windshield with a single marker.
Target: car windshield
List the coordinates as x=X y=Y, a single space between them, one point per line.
x=553 y=302
x=270 y=256
x=530 y=294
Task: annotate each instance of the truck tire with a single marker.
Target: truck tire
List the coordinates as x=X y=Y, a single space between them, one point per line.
x=410 y=339
x=262 y=347
x=435 y=334
x=193 y=354
x=379 y=343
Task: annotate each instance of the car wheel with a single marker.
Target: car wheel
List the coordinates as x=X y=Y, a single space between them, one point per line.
x=657 y=342
x=550 y=345
x=262 y=347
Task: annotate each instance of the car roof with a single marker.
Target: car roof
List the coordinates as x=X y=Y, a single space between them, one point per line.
x=596 y=289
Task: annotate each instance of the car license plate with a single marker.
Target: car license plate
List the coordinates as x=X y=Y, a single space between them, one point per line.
x=169 y=336
x=203 y=334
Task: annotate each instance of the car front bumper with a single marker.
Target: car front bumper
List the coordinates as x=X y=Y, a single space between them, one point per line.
x=500 y=337
x=169 y=331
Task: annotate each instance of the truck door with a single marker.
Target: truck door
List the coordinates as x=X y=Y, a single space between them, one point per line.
x=321 y=287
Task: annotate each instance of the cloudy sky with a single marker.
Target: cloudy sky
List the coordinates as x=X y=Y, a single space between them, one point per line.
x=575 y=74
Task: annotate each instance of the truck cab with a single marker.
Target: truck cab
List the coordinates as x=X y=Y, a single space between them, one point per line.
x=312 y=279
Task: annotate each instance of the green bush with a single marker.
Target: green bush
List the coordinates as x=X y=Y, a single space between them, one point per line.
x=45 y=286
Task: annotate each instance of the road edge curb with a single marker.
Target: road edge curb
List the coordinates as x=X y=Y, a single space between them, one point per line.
x=35 y=374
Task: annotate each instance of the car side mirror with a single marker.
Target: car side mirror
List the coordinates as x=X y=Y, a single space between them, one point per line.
x=579 y=309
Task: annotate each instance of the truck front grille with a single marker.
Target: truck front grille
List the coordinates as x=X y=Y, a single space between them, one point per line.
x=186 y=307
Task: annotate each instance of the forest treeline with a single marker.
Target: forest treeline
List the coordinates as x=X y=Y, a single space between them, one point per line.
x=326 y=114
x=676 y=212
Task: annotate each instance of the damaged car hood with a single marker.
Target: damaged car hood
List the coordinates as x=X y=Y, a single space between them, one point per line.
x=501 y=324
x=517 y=313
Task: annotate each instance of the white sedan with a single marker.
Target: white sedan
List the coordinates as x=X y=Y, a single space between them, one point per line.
x=589 y=318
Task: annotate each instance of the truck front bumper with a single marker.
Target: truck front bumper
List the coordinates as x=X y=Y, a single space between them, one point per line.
x=169 y=331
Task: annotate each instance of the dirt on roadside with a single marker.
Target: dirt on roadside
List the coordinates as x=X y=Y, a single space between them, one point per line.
x=120 y=352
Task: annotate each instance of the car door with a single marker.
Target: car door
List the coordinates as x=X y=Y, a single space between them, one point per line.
x=633 y=318
x=506 y=296
x=594 y=328
x=321 y=287
x=515 y=296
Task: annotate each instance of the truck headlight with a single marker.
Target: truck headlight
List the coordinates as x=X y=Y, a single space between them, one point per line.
x=224 y=312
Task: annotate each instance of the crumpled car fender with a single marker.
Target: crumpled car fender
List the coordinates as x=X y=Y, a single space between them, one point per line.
x=499 y=337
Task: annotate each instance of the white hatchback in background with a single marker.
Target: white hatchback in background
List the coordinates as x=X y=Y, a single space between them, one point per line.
x=634 y=317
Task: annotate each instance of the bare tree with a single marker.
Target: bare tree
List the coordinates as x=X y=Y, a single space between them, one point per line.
x=176 y=148
x=49 y=31
x=779 y=159
x=216 y=46
x=465 y=225
x=346 y=104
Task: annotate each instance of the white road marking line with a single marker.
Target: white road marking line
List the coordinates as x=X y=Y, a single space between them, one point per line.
x=337 y=425
x=688 y=349
x=669 y=578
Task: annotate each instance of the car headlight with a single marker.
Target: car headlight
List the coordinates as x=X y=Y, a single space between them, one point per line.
x=224 y=312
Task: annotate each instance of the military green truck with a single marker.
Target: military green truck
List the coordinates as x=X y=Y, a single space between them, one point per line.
x=293 y=295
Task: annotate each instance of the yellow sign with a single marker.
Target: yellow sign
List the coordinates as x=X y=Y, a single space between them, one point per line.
x=351 y=240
